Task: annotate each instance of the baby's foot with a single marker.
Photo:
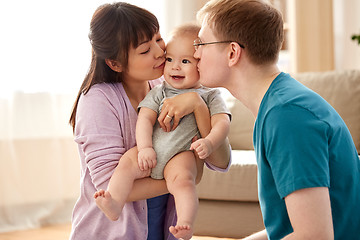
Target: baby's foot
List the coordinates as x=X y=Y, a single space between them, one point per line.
x=184 y=232
x=108 y=205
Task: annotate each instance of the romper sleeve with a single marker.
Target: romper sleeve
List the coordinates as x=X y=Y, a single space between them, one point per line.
x=216 y=103
x=99 y=136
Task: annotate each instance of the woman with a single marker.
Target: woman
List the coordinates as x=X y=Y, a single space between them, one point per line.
x=127 y=52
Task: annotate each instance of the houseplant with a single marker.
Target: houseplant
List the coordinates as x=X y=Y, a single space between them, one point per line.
x=356 y=37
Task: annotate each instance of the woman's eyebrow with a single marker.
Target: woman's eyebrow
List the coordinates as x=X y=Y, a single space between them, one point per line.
x=141 y=43
x=145 y=41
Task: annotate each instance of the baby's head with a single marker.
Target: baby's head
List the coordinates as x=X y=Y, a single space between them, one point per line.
x=180 y=66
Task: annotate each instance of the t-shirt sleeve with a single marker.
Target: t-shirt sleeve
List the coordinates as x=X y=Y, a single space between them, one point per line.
x=296 y=148
x=99 y=136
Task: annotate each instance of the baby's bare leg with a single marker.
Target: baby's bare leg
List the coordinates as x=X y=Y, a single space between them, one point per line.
x=180 y=174
x=112 y=201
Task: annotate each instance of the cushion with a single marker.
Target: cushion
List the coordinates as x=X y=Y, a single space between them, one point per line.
x=241 y=126
x=342 y=90
x=227 y=219
x=239 y=184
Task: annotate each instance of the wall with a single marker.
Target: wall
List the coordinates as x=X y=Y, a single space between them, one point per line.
x=311 y=35
x=178 y=12
x=346 y=23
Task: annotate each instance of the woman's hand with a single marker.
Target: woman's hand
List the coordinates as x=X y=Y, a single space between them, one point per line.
x=175 y=108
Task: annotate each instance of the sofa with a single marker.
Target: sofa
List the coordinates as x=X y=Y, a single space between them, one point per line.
x=228 y=202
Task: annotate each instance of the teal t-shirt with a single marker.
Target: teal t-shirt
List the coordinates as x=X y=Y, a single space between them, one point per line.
x=301 y=142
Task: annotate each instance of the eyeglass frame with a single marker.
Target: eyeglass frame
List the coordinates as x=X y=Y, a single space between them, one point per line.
x=197 y=43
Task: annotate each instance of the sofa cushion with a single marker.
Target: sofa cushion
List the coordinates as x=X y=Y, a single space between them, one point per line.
x=340 y=88
x=239 y=184
x=241 y=126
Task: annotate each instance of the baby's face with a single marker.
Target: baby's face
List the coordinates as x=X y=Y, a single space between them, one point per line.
x=180 y=65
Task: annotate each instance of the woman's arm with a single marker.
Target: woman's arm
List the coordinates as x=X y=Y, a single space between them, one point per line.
x=179 y=106
x=144 y=188
x=220 y=157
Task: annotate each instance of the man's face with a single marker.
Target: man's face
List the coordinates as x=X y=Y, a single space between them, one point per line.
x=212 y=63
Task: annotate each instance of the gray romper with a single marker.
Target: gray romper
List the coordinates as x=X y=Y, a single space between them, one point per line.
x=168 y=144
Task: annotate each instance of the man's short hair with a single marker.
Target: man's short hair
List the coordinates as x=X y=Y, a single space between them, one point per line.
x=253 y=23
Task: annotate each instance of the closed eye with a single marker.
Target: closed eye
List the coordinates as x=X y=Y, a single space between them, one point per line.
x=146 y=51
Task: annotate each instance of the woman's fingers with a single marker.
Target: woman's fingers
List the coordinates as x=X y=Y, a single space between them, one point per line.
x=168 y=121
x=164 y=120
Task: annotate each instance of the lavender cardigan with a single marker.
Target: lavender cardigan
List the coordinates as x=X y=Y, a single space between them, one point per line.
x=105 y=130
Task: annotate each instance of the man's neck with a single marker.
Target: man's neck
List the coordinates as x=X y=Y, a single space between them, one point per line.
x=250 y=84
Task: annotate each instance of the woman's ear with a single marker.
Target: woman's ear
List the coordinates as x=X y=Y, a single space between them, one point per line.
x=114 y=65
x=234 y=54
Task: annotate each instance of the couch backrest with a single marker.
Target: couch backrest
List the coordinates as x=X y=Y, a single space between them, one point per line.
x=340 y=88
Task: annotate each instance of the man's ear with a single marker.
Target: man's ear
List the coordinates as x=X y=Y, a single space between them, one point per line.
x=234 y=54
x=114 y=65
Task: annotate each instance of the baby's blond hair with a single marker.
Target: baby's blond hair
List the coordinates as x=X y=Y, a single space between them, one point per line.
x=185 y=30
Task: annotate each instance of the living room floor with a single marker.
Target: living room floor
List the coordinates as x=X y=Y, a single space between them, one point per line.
x=60 y=232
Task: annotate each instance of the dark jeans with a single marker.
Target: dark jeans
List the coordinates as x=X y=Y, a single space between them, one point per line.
x=156 y=216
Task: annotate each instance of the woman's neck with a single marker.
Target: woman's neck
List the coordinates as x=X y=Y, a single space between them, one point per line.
x=136 y=91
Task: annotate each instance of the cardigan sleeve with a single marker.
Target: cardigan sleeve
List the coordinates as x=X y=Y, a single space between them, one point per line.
x=99 y=136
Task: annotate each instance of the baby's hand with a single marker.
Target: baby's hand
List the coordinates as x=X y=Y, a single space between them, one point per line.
x=203 y=147
x=146 y=158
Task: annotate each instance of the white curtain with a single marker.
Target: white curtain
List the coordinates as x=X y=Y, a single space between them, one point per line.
x=44 y=56
x=39 y=173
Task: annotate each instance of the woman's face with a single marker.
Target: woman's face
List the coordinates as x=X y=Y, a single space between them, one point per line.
x=146 y=62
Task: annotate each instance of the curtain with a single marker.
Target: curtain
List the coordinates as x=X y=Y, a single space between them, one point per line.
x=39 y=173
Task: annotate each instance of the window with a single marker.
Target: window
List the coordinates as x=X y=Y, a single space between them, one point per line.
x=44 y=45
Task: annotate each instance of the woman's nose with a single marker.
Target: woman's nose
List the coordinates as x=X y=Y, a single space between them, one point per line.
x=159 y=51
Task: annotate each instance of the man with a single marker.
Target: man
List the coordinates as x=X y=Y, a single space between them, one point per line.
x=309 y=170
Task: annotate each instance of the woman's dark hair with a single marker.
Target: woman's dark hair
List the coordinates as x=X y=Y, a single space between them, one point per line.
x=114 y=29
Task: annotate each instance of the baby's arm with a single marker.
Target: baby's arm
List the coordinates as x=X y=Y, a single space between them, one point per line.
x=220 y=128
x=144 y=131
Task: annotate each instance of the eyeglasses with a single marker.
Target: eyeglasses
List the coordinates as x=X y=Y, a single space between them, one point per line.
x=197 y=43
